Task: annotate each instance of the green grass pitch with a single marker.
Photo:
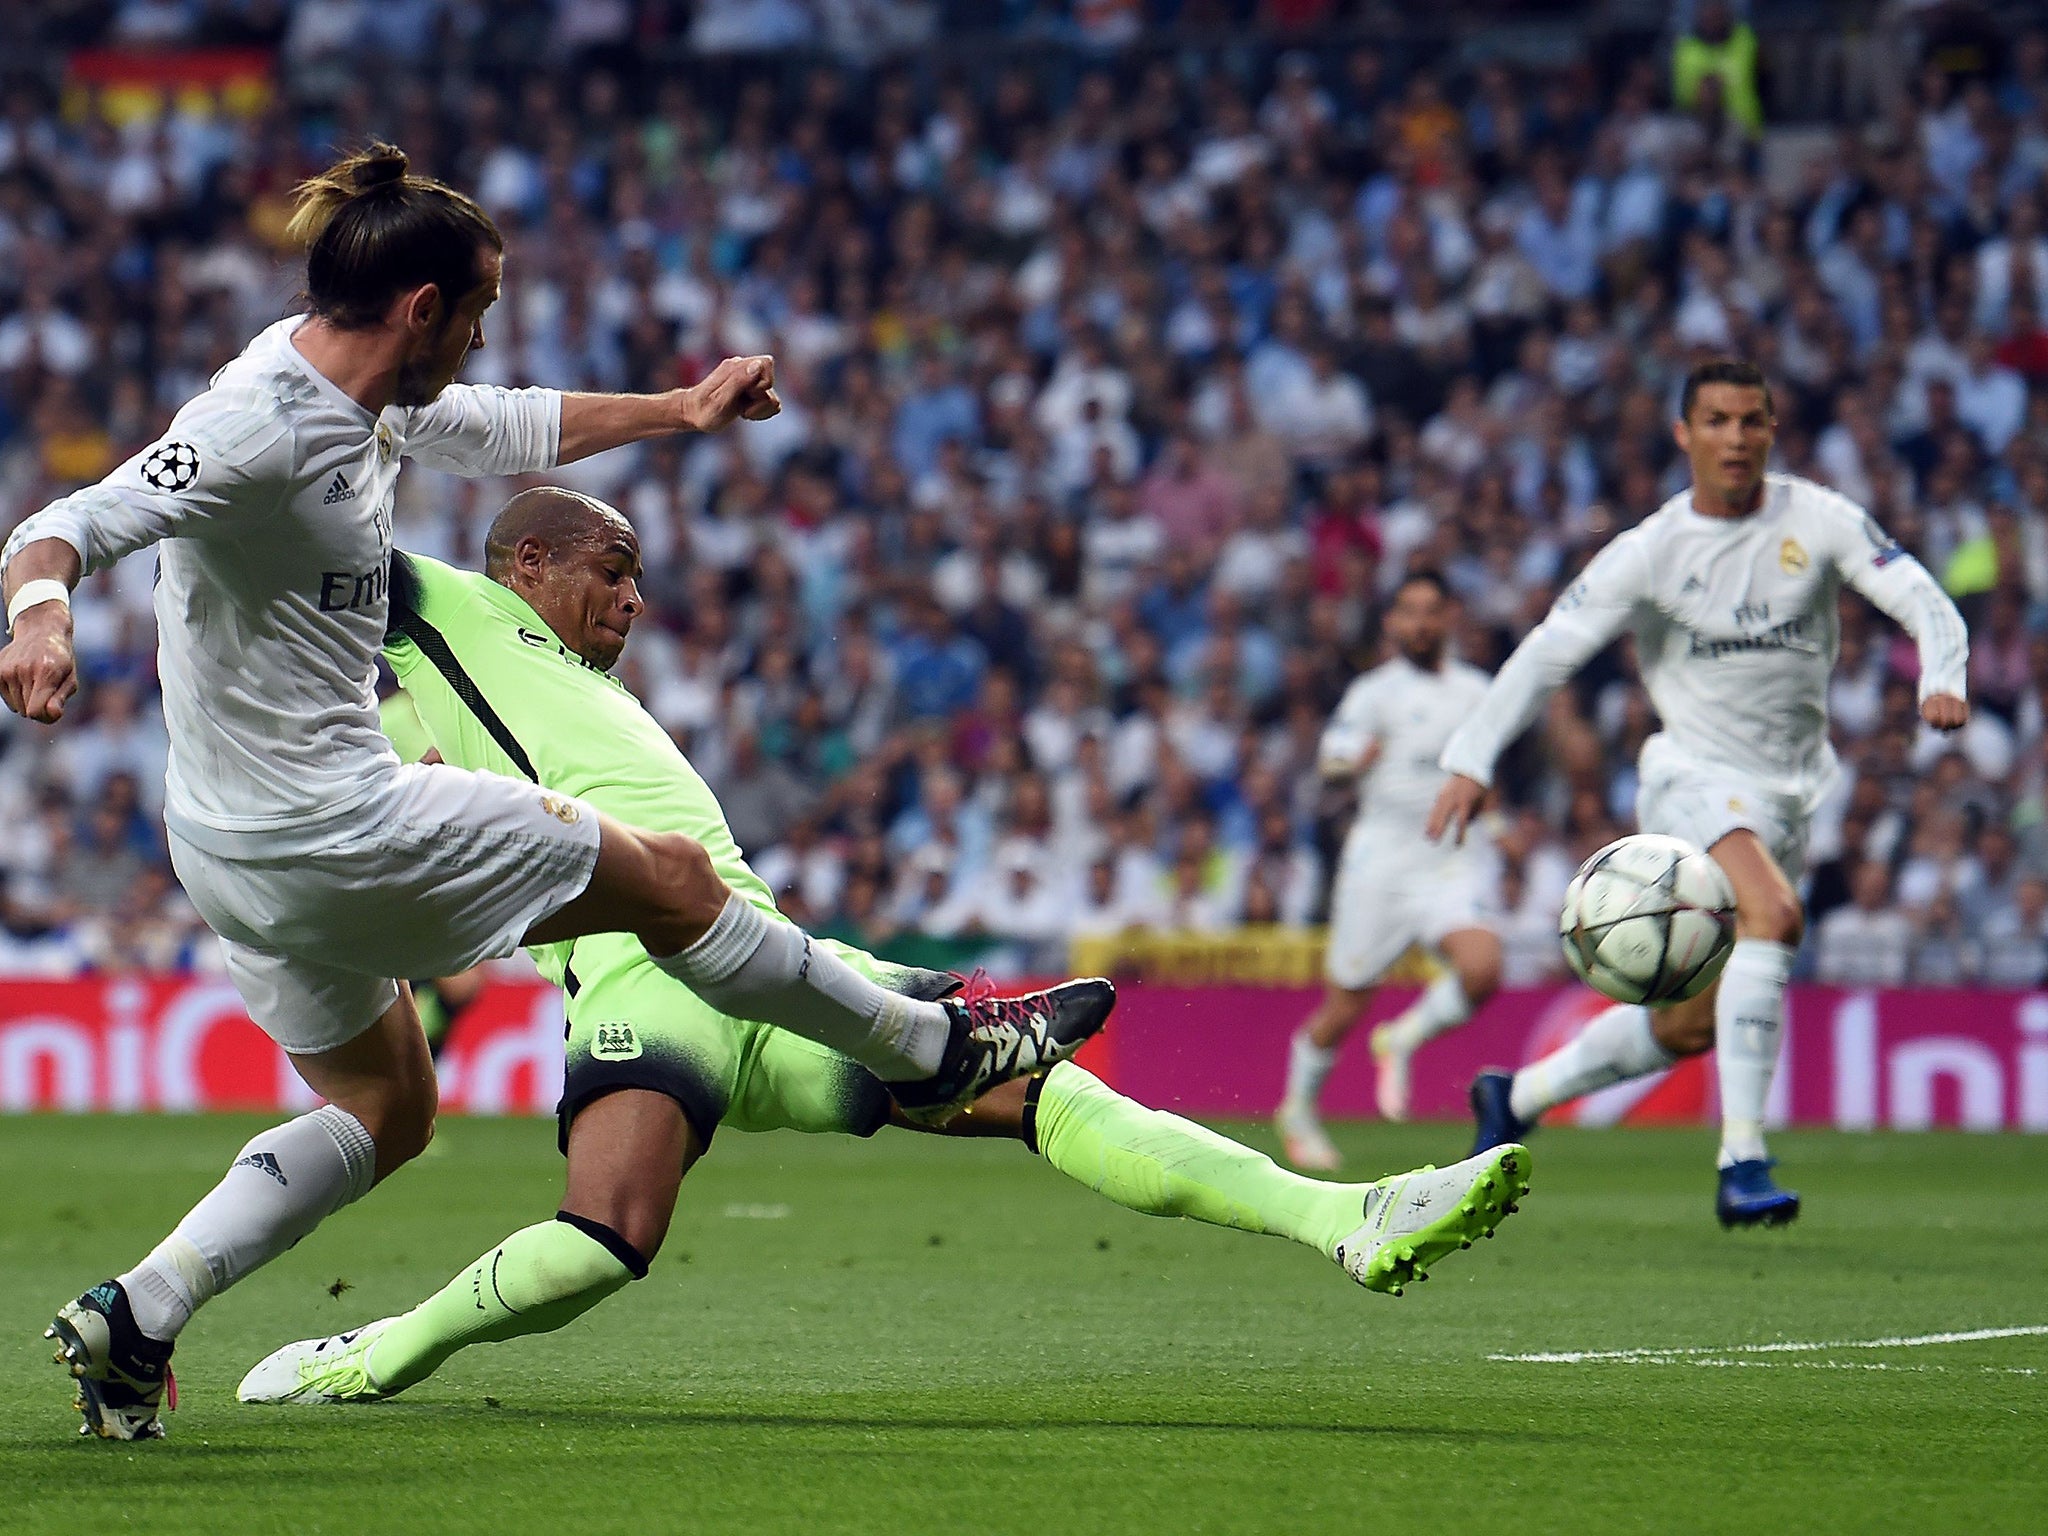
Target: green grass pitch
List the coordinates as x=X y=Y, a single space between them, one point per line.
x=915 y=1334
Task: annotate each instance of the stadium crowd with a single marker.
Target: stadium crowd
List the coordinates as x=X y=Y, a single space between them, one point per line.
x=1121 y=387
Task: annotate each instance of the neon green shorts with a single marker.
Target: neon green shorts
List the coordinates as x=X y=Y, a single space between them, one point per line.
x=633 y=1026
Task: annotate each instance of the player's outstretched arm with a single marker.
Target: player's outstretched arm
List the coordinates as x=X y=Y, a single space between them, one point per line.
x=1879 y=567
x=229 y=458
x=477 y=429
x=740 y=388
x=1581 y=623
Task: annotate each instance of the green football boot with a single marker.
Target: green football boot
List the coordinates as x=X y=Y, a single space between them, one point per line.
x=1414 y=1219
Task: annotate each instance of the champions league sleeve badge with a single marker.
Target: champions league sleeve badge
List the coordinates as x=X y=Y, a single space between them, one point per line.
x=170 y=467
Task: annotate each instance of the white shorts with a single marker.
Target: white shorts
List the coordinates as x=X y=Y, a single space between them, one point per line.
x=1393 y=893
x=451 y=867
x=1704 y=804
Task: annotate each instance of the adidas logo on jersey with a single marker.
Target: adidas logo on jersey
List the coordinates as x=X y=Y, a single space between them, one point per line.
x=263 y=1162
x=1692 y=584
x=340 y=490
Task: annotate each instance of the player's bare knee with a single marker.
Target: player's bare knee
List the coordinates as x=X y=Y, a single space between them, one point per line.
x=1479 y=978
x=1341 y=1010
x=1777 y=917
x=688 y=890
x=1683 y=1031
x=401 y=1125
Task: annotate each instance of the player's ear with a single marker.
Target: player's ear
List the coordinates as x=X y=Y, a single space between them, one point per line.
x=422 y=310
x=530 y=557
x=1682 y=433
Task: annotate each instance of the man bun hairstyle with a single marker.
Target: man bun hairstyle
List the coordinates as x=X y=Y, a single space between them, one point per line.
x=1724 y=370
x=373 y=230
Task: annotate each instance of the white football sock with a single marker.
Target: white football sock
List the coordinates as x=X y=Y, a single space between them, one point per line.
x=1615 y=1047
x=1308 y=1068
x=281 y=1186
x=753 y=966
x=1443 y=1005
x=1749 y=1017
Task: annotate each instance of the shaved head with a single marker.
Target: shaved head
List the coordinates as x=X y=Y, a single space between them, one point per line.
x=558 y=518
x=576 y=561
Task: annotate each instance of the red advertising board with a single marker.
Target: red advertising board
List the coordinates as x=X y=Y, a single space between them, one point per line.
x=167 y=1043
x=1856 y=1060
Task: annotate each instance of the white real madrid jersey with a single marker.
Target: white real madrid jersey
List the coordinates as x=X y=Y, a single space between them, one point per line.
x=1411 y=713
x=1735 y=629
x=271 y=497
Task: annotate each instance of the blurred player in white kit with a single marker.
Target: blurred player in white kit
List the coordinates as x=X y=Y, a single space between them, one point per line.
x=1730 y=592
x=1394 y=887
x=327 y=866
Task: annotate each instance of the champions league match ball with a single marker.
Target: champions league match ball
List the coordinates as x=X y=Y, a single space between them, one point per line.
x=1648 y=919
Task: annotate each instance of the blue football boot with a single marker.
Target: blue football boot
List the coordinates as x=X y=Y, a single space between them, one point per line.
x=1749 y=1197
x=1492 y=1109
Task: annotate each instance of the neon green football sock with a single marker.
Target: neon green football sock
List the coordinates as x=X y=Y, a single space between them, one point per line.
x=1149 y=1161
x=535 y=1281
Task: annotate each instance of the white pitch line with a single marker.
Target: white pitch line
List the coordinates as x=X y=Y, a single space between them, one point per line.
x=1913 y=1341
x=1722 y=1362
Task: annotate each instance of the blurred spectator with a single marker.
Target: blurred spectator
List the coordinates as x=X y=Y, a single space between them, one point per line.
x=1720 y=49
x=2015 y=937
x=1866 y=943
x=1944 y=952
x=1124 y=378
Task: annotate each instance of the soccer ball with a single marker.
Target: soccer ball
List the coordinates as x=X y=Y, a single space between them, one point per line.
x=1648 y=919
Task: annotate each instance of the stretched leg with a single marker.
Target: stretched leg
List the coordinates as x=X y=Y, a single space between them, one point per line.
x=1310 y=1056
x=664 y=889
x=641 y=1047
x=1749 y=1009
x=1384 y=1234
x=1471 y=976
x=628 y=1152
x=380 y=1114
x=1749 y=1020
x=1371 y=926
x=1624 y=1042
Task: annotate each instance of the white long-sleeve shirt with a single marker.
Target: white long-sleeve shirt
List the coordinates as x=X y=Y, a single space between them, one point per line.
x=1736 y=633
x=271 y=497
x=1411 y=713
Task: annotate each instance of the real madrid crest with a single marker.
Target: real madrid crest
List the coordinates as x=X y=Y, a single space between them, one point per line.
x=387 y=445
x=1792 y=557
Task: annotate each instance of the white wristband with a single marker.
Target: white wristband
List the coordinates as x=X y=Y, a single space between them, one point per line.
x=45 y=589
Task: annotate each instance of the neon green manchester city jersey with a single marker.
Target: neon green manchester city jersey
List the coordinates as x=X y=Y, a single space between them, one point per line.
x=493 y=689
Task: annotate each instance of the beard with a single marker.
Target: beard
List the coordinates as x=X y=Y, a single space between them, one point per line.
x=417 y=383
x=423 y=376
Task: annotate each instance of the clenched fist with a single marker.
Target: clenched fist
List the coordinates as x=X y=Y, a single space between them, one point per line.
x=1945 y=712
x=38 y=670
x=740 y=388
